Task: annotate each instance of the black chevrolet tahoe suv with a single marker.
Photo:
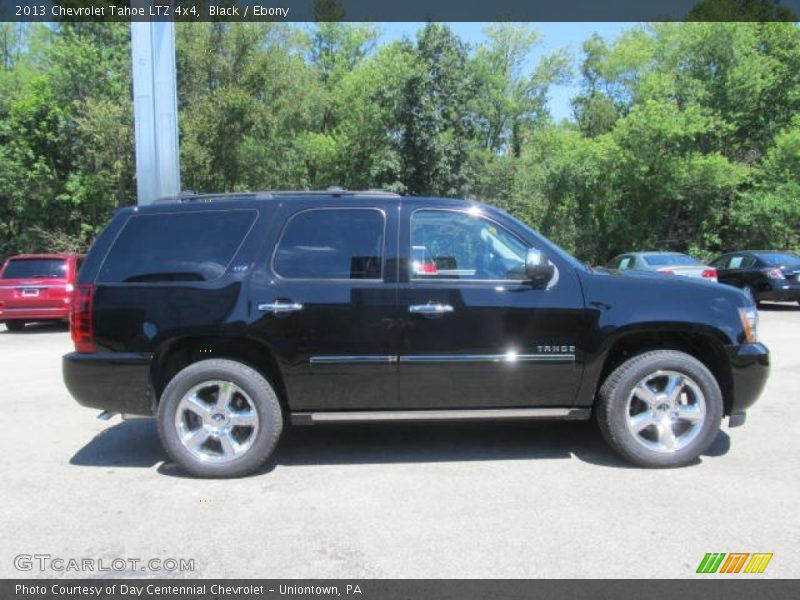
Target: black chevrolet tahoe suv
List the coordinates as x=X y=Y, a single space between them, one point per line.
x=227 y=317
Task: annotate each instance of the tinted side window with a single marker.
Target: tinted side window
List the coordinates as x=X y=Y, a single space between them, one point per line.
x=736 y=262
x=721 y=262
x=331 y=243
x=176 y=246
x=460 y=245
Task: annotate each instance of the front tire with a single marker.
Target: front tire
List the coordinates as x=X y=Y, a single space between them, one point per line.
x=660 y=409
x=219 y=418
x=15 y=326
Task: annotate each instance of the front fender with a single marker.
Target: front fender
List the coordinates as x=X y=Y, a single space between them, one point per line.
x=670 y=311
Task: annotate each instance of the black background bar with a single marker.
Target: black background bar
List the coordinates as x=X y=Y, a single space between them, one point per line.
x=404 y=10
x=707 y=587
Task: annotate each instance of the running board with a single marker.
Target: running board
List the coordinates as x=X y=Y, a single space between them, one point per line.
x=375 y=416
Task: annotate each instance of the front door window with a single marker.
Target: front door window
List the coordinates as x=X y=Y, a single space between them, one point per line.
x=459 y=245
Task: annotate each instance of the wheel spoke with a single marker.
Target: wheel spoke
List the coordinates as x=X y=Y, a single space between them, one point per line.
x=224 y=394
x=228 y=444
x=195 y=439
x=243 y=418
x=197 y=406
x=676 y=410
x=674 y=388
x=666 y=436
x=645 y=394
x=641 y=421
x=229 y=422
x=690 y=413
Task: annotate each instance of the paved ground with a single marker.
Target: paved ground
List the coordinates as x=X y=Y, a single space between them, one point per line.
x=476 y=500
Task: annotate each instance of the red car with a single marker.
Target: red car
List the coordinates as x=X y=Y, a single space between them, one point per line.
x=37 y=287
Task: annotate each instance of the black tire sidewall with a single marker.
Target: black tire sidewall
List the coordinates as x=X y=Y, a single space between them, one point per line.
x=265 y=402
x=15 y=326
x=613 y=418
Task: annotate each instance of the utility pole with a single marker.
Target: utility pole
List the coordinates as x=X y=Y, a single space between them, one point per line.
x=155 y=108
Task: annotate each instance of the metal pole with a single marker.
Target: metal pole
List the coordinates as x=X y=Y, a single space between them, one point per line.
x=155 y=106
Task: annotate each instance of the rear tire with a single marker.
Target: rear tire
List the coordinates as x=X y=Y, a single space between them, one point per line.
x=219 y=418
x=660 y=409
x=15 y=326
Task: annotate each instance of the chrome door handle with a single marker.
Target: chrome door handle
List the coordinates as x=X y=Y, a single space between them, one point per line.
x=280 y=308
x=430 y=310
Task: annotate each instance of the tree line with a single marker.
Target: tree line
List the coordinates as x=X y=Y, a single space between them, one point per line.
x=683 y=136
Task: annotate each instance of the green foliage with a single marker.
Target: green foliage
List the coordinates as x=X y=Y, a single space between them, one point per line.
x=685 y=136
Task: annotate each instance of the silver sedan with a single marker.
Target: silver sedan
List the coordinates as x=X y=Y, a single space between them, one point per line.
x=669 y=263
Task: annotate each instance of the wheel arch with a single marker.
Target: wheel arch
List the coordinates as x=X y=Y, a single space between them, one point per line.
x=178 y=353
x=705 y=344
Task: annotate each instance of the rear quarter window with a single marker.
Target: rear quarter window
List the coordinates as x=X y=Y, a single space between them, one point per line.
x=183 y=246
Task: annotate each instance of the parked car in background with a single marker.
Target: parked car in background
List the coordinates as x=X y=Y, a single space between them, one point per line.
x=763 y=274
x=669 y=263
x=37 y=287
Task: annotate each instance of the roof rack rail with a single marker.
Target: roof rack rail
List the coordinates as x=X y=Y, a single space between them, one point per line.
x=336 y=191
x=195 y=196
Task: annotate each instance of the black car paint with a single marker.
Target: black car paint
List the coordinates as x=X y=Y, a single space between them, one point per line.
x=355 y=346
x=755 y=274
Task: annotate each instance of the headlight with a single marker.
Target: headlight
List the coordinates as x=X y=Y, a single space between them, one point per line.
x=749 y=317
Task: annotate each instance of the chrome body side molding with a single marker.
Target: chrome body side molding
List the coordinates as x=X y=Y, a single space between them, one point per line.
x=444 y=358
x=335 y=360
x=363 y=416
x=491 y=358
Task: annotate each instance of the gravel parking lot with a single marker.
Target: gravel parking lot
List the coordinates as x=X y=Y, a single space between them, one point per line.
x=455 y=500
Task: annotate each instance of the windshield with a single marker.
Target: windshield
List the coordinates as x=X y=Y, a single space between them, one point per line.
x=29 y=268
x=779 y=258
x=660 y=260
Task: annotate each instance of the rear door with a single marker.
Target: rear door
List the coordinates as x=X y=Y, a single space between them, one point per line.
x=749 y=272
x=735 y=271
x=324 y=296
x=721 y=265
x=476 y=334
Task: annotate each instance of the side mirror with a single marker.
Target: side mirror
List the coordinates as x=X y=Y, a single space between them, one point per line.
x=537 y=267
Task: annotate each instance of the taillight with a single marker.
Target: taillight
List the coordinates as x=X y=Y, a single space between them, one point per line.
x=81 y=322
x=666 y=271
x=774 y=274
x=709 y=274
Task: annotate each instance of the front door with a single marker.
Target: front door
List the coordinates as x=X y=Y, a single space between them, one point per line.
x=476 y=334
x=326 y=302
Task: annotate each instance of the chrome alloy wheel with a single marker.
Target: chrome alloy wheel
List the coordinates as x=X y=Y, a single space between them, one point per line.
x=216 y=421
x=666 y=411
